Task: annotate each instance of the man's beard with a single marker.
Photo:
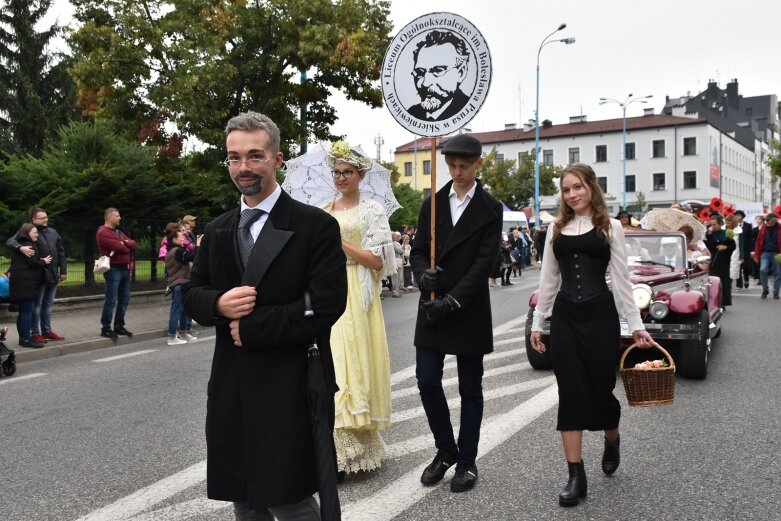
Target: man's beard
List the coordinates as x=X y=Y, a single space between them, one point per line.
x=432 y=98
x=250 y=189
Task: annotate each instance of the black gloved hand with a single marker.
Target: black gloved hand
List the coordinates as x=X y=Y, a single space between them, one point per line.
x=430 y=279
x=438 y=308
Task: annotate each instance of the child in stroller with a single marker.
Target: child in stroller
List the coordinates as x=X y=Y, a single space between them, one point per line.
x=9 y=366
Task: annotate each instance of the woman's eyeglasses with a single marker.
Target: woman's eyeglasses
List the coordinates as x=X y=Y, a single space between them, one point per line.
x=346 y=174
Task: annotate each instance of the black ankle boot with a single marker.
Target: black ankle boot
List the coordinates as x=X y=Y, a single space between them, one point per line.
x=577 y=486
x=611 y=457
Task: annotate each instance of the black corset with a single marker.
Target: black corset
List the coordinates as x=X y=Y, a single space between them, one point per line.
x=583 y=260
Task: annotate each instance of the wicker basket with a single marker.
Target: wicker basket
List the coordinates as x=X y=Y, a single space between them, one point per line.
x=647 y=387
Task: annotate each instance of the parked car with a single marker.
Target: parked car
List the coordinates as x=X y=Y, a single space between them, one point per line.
x=680 y=304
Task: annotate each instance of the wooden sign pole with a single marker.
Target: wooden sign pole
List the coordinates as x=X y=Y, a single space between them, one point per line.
x=433 y=201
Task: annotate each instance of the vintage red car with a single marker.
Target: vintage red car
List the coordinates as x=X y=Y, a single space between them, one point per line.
x=680 y=303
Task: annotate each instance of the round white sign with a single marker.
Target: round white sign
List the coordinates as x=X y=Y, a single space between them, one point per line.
x=436 y=74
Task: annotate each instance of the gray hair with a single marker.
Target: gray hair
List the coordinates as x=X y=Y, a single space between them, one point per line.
x=249 y=121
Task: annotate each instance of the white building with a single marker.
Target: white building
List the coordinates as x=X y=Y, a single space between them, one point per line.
x=668 y=158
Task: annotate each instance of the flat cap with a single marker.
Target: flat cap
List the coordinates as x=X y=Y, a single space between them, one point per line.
x=463 y=145
x=188 y=218
x=771 y=215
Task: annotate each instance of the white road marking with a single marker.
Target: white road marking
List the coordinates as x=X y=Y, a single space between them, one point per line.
x=12 y=379
x=448 y=382
x=455 y=403
x=509 y=341
x=404 y=492
x=126 y=355
x=132 y=507
x=149 y=496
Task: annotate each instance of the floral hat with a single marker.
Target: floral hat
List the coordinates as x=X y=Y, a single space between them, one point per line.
x=342 y=153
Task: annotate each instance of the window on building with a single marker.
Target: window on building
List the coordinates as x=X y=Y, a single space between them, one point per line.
x=690 y=146
x=658 y=148
x=408 y=169
x=427 y=167
x=522 y=156
x=602 y=182
x=547 y=157
x=499 y=158
x=629 y=151
x=659 y=182
x=574 y=155
x=689 y=180
x=630 y=183
x=601 y=153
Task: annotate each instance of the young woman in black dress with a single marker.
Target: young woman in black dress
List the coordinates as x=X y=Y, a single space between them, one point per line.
x=584 y=329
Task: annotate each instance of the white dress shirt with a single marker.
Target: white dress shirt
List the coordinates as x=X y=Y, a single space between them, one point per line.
x=266 y=205
x=457 y=206
x=550 y=277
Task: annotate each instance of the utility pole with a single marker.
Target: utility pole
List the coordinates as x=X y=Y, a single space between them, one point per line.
x=379 y=142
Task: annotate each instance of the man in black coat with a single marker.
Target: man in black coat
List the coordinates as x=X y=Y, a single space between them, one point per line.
x=260 y=448
x=458 y=320
x=747 y=264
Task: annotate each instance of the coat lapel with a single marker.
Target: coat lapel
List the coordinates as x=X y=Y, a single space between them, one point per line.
x=475 y=216
x=271 y=241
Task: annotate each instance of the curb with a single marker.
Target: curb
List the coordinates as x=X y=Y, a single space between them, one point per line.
x=59 y=349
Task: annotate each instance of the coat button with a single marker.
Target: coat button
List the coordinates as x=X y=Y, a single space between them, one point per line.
x=579 y=286
x=575 y=255
x=577 y=276
x=577 y=266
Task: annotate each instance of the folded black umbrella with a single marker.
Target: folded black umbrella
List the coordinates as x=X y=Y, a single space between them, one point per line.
x=321 y=406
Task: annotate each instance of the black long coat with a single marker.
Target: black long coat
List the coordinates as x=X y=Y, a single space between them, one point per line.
x=258 y=427
x=27 y=273
x=467 y=254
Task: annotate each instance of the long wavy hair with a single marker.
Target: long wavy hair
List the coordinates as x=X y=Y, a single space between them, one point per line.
x=600 y=217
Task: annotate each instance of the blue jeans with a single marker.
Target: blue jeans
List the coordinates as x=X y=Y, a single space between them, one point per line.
x=428 y=371
x=178 y=317
x=766 y=260
x=42 y=314
x=117 y=293
x=25 y=319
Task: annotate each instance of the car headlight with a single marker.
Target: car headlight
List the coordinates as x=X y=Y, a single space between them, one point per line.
x=658 y=309
x=642 y=294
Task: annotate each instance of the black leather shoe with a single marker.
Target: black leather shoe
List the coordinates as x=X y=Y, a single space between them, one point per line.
x=123 y=331
x=465 y=478
x=577 y=486
x=434 y=473
x=108 y=334
x=611 y=457
x=31 y=343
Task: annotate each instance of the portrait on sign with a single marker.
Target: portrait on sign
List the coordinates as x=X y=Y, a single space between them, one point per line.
x=436 y=74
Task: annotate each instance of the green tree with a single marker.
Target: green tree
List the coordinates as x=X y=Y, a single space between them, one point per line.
x=638 y=208
x=36 y=93
x=514 y=185
x=410 y=200
x=180 y=68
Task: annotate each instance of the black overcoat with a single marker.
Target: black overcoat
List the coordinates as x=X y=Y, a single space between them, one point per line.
x=467 y=254
x=258 y=427
x=27 y=274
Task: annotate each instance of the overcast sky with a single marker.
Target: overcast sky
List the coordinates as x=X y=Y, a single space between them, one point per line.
x=663 y=48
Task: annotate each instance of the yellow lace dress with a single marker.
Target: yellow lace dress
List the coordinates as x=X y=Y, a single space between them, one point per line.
x=362 y=364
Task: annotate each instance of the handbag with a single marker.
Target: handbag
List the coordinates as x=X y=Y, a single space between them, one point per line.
x=103 y=264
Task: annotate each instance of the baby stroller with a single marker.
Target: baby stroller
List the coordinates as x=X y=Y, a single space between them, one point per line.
x=9 y=366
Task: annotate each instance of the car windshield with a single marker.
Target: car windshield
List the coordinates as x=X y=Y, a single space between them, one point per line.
x=656 y=249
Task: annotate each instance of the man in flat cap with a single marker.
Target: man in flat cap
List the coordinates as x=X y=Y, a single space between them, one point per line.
x=458 y=320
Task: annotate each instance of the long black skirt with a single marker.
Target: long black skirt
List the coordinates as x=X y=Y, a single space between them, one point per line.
x=584 y=338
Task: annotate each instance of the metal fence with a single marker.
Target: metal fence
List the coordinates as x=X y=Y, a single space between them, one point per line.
x=81 y=250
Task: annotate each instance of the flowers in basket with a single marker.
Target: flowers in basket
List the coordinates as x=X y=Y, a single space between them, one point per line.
x=652 y=364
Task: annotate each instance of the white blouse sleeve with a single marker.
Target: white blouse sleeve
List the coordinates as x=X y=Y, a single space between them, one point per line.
x=550 y=282
x=619 y=276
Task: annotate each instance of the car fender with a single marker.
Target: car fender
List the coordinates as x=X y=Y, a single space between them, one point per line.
x=687 y=301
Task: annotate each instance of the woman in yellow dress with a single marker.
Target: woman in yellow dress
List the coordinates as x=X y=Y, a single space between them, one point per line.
x=358 y=340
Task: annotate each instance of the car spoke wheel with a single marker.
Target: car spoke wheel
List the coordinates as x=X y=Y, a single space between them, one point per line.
x=537 y=360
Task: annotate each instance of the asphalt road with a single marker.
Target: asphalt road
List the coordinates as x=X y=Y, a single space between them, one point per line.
x=92 y=437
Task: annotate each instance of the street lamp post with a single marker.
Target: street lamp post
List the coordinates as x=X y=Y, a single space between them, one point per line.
x=623 y=106
x=537 y=124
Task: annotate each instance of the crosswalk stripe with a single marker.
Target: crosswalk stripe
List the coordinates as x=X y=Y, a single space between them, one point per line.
x=404 y=492
x=455 y=403
x=450 y=362
x=448 y=382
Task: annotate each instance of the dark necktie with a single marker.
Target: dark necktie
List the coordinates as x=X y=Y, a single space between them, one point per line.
x=246 y=242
